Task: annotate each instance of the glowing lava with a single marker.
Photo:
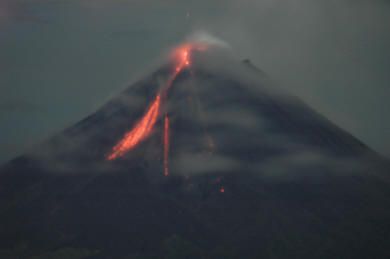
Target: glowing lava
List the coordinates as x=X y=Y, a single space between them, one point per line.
x=141 y=131
x=182 y=59
x=182 y=56
x=166 y=145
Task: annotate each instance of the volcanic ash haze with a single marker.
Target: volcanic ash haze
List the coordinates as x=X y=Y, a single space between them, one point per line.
x=204 y=158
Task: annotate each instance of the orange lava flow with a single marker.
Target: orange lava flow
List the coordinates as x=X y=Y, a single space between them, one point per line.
x=182 y=57
x=143 y=128
x=140 y=131
x=166 y=146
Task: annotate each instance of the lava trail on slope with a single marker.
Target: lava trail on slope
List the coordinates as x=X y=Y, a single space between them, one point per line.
x=142 y=130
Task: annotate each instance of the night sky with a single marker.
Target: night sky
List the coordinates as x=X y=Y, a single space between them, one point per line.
x=62 y=59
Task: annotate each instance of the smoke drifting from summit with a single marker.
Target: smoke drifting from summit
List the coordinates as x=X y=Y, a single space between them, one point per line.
x=203 y=37
x=332 y=54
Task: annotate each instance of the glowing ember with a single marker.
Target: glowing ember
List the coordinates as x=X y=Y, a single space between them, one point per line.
x=141 y=131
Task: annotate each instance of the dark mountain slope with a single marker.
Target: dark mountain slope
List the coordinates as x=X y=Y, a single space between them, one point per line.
x=254 y=173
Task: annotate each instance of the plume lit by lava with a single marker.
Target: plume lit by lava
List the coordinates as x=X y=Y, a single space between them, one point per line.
x=141 y=131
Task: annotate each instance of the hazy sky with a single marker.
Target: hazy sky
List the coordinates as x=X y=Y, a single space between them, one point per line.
x=61 y=59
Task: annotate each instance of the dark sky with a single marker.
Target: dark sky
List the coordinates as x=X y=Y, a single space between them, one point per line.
x=62 y=59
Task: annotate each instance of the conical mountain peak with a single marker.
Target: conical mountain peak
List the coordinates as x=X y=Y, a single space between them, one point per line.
x=203 y=158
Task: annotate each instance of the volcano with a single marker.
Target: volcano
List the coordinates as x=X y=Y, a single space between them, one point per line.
x=204 y=158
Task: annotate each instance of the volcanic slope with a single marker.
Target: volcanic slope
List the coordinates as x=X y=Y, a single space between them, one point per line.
x=204 y=158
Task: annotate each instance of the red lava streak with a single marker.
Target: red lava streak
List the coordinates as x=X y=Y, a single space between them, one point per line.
x=140 y=131
x=182 y=59
x=166 y=146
